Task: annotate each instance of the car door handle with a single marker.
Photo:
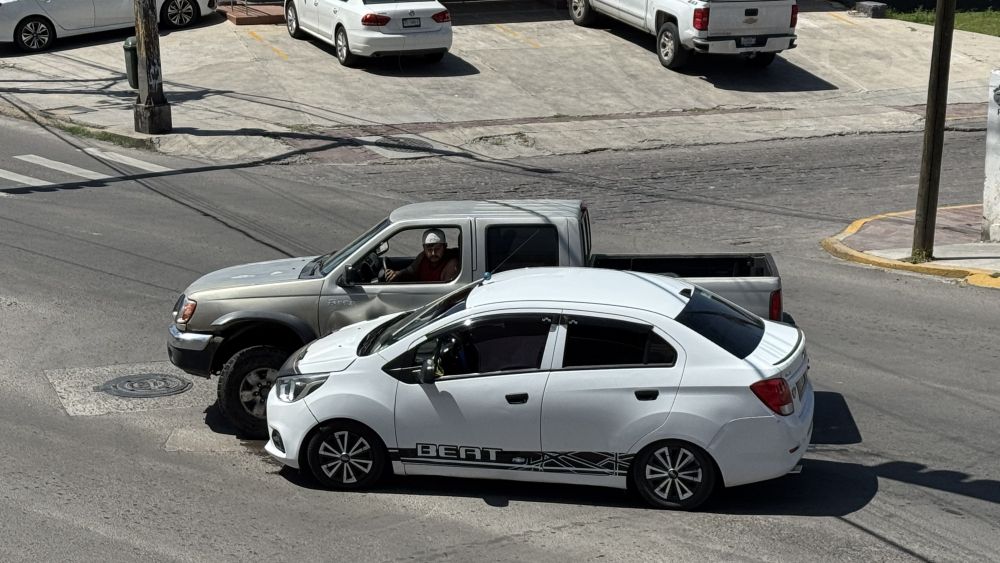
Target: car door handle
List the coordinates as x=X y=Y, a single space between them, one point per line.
x=647 y=394
x=517 y=398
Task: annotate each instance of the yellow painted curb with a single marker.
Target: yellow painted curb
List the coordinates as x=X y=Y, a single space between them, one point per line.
x=836 y=247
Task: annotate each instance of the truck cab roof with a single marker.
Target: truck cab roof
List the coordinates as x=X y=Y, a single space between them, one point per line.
x=494 y=209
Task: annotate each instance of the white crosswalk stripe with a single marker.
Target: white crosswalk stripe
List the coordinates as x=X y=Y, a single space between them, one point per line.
x=26 y=180
x=62 y=167
x=120 y=158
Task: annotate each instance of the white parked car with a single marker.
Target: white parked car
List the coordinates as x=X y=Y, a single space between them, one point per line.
x=568 y=375
x=33 y=25
x=373 y=28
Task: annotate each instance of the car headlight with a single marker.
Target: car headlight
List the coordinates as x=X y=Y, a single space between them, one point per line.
x=293 y=388
x=184 y=309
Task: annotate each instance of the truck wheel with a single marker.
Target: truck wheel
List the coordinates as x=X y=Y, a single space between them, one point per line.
x=673 y=474
x=244 y=384
x=668 y=47
x=760 y=60
x=581 y=13
x=346 y=455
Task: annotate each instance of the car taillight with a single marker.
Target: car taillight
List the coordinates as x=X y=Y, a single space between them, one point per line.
x=374 y=19
x=442 y=17
x=774 y=307
x=775 y=395
x=795 y=15
x=701 y=19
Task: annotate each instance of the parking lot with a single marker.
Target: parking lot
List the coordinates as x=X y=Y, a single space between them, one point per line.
x=521 y=81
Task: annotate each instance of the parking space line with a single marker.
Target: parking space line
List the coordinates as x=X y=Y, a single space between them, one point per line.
x=26 y=180
x=281 y=54
x=518 y=36
x=122 y=159
x=842 y=18
x=62 y=167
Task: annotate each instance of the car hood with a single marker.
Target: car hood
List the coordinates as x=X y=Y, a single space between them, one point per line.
x=337 y=351
x=258 y=273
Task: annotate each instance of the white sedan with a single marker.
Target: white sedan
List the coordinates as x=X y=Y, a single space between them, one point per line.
x=568 y=375
x=373 y=28
x=33 y=25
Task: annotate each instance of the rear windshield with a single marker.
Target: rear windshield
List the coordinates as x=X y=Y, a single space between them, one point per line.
x=733 y=329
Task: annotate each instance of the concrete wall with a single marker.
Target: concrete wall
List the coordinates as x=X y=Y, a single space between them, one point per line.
x=991 y=189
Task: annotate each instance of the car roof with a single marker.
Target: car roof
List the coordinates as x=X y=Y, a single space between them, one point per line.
x=495 y=209
x=569 y=286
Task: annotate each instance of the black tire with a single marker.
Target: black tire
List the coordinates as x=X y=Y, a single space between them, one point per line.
x=581 y=12
x=34 y=34
x=244 y=384
x=433 y=58
x=292 y=21
x=671 y=53
x=346 y=456
x=343 y=47
x=674 y=475
x=760 y=60
x=179 y=14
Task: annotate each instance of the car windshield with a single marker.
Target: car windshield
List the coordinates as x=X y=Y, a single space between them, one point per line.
x=413 y=321
x=332 y=260
x=733 y=329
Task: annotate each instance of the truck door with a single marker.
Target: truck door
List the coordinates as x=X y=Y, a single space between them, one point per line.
x=633 y=12
x=363 y=293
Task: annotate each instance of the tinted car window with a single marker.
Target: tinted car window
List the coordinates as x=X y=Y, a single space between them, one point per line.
x=497 y=344
x=731 y=328
x=592 y=342
x=524 y=246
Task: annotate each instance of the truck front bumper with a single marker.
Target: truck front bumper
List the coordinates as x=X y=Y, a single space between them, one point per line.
x=191 y=351
x=744 y=45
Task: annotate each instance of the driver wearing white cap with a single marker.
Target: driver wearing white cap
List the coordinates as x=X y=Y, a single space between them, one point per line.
x=437 y=263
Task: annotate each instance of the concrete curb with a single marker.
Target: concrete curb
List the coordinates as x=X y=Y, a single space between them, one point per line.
x=26 y=112
x=836 y=247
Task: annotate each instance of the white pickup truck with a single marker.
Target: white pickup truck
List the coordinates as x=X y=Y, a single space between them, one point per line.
x=753 y=29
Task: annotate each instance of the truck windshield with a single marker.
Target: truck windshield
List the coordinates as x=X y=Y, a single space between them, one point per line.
x=332 y=260
x=731 y=328
x=413 y=321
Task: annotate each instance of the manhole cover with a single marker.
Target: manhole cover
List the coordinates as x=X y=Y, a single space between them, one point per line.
x=406 y=144
x=145 y=385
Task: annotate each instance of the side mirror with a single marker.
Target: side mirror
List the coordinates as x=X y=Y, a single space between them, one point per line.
x=426 y=373
x=350 y=277
x=382 y=248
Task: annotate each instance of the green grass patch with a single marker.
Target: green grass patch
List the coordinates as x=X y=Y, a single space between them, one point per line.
x=113 y=138
x=986 y=22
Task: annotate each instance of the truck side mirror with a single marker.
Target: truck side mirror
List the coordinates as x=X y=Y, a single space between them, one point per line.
x=382 y=248
x=426 y=373
x=349 y=278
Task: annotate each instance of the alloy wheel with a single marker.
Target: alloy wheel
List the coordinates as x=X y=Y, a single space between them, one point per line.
x=341 y=45
x=674 y=474
x=180 y=12
x=291 y=19
x=35 y=35
x=577 y=8
x=346 y=457
x=666 y=46
x=254 y=389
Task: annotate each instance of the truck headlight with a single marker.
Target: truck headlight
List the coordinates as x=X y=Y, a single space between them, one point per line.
x=184 y=309
x=293 y=388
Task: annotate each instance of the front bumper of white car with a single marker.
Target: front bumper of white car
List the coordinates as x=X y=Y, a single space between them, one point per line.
x=743 y=45
x=378 y=44
x=759 y=448
x=287 y=426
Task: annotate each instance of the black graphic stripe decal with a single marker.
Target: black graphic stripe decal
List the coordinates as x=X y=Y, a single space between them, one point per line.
x=583 y=463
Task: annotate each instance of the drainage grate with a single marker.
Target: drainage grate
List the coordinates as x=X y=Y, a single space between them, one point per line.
x=406 y=144
x=144 y=385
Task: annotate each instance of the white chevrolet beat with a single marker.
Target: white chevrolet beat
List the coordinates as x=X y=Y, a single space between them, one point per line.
x=373 y=28
x=34 y=25
x=558 y=375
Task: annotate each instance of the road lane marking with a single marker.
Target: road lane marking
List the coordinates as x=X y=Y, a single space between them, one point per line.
x=842 y=18
x=517 y=35
x=62 y=167
x=26 y=180
x=122 y=159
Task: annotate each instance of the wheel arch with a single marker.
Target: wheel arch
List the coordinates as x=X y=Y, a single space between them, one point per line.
x=41 y=16
x=303 y=453
x=663 y=17
x=245 y=329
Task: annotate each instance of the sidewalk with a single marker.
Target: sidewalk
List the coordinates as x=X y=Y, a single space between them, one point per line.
x=886 y=240
x=516 y=84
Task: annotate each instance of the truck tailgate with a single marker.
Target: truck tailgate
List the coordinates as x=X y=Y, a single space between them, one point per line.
x=750 y=18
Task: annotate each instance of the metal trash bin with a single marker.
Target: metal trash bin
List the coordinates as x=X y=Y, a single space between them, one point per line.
x=131 y=62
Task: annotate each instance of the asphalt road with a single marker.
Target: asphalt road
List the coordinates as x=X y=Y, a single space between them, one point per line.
x=903 y=465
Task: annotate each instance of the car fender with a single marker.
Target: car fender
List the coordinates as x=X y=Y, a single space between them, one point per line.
x=297 y=325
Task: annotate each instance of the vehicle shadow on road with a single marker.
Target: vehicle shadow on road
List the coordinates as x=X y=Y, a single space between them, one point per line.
x=407 y=67
x=8 y=50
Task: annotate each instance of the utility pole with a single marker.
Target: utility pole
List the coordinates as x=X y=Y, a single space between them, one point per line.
x=937 y=105
x=152 y=112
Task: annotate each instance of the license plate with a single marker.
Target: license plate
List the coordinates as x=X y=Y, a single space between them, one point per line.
x=748 y=41
x=411 y=22
x=800 y=385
